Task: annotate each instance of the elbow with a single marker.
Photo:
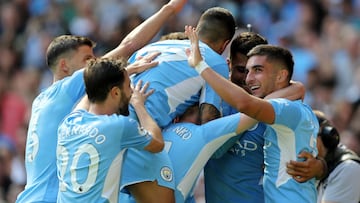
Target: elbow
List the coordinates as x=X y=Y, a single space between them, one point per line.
x=129 y=45
x=156 y=145
x=159 y=146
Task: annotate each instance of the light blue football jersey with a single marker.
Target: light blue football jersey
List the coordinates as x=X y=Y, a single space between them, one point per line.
x=190 y=146
x=177 y=85
x=140 y=166
x=294 y=130
x=90 y=155
x=237 y=175
x=48 y=109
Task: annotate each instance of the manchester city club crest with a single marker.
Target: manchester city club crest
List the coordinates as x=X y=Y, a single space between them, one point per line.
x=166 y=173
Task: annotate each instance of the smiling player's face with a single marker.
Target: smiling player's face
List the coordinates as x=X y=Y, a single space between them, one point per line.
x=261 y=77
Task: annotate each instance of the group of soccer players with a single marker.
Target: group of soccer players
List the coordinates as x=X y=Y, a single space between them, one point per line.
x=105 y=150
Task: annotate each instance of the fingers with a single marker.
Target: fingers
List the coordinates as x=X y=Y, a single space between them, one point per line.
x=300 y=171
x=148 y=65
x=305 y=154
x=150 y=92
x=294 y=168
x=142 y=89
x=187 y=52
x=138 y=85
x=300 y=179
x=151 y=56
x=143 y=63
x=191 y=33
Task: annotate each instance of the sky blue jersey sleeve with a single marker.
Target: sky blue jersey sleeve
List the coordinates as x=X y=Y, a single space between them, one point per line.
x=285 y=110
x=74 y=85
x=134 y=135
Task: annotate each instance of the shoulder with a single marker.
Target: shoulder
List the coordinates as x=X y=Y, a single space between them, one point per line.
x=282 y=103
x=344 y=173
x=348 y=166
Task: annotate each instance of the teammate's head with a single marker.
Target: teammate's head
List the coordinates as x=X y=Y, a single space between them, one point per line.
x=216 y=28
x=328 y=134
x=191 y=115
x=174 y=36
x=244 y=42
x=68 y=53
x=239 y=48
x=270 y=68
x=107 y=79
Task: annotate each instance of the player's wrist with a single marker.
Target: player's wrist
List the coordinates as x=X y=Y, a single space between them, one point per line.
x=324 y=168
x=201 y=66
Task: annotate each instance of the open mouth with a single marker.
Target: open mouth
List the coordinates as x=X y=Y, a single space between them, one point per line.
x=254 y=87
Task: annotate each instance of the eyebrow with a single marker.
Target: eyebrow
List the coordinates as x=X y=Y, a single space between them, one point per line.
x=255 y=66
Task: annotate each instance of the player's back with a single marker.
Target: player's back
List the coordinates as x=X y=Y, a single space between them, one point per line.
x=177 y=86
x=90 y=153
x=48 y=109
x=199 y=143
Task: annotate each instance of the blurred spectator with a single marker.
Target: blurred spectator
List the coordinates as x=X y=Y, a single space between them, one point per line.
x=7 y=151
x=13 y=109
x=351 y=139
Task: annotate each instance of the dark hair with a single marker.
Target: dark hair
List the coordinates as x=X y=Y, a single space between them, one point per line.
x=244 y=42
x=216 y=24
x=190 y=111
x=328 y=133
x=275 y=54
x=65 y=44
x=174 y=36
x=101 y=75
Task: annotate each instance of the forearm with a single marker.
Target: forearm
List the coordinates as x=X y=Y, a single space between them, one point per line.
x=143 y=33
x=323 y=168
x=227 y=90
x=148 y=123
x=294 y=91
x=238 y=98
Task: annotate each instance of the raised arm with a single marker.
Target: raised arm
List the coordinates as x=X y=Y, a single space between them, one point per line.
x=143 y=33
x=254 y=107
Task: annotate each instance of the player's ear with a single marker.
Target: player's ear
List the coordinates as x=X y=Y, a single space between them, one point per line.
x=115 y=92
x=282 y=75
x=63 y=66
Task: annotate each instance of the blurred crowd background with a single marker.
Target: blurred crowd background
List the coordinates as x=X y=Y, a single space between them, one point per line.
x=323 y=36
